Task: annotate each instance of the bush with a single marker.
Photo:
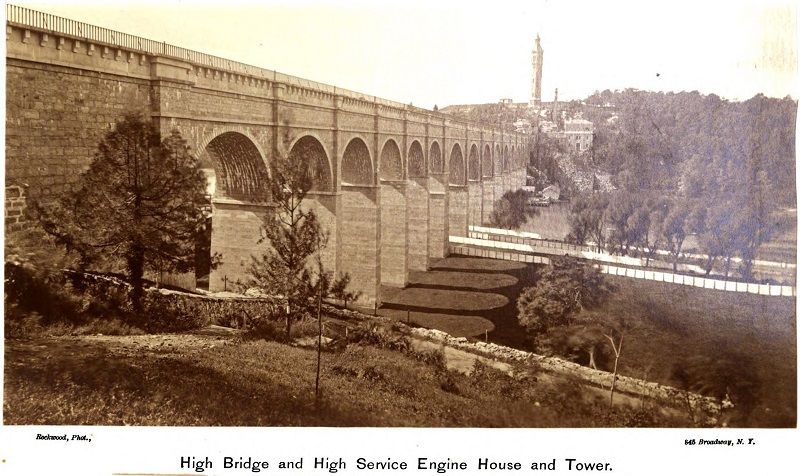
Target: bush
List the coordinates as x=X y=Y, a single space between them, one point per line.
x=380 y=336
x=40 y=303
x=20 y=325
x=175 y=311
x=44 y=293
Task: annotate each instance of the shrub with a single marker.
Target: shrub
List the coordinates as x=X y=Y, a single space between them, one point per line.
x=19 y=325
x=44 y=293
x=449 y=383
x=273 y=330
x=379 y=336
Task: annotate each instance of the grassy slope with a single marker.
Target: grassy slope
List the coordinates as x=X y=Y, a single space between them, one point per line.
x=674 y=322
x=83 y=381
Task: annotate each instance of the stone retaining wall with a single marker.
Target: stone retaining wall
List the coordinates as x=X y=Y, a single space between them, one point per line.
x=641 y=388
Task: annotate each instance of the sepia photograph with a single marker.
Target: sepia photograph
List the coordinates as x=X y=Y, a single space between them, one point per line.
x=387 y=214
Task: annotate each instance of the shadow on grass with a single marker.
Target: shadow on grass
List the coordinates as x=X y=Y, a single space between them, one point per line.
x=472 y=271
x=87 y=385
x=503 y=316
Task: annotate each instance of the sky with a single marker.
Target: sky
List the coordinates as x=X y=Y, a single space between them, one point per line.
x=447 y=52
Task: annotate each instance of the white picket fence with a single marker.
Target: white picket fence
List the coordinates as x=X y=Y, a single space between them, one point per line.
x=523 y=253
x=522 y=237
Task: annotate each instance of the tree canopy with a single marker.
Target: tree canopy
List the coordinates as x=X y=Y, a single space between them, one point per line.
x=686 y=163
x=699 y=146
x=511 y=211
x=565 y=287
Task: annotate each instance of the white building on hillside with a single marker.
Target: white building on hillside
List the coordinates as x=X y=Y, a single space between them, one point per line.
x=578 y=134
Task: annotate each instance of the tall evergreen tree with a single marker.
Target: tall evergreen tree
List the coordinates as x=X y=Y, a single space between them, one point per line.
x=141 y=199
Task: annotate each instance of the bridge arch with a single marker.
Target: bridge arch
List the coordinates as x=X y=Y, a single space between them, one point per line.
x=458 y=174
x=241 y=190
x=239 y=168
x=505 y=154
x=391 y=162
x=474 y=164
x=357 y=164
x=435 y=158
x=486 y=161
x=416 y=161
x=310 y=150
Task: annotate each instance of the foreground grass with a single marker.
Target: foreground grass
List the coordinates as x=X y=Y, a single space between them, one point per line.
x=82 y=380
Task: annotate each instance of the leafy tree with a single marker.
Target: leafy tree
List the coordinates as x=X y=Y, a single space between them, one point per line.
x=587 y=219
x=543 y=162
x=580 y=219
x=293 y=236
x=579 y=342
x=597 y=220
x=565 y=287
x=141 y=199
x=511 y=211
x=674 y=229
x=649 y=232
x=758 y=223
x=619 y=213
x=722 y=236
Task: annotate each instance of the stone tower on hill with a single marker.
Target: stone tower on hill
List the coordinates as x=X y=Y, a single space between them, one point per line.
x=537 y=58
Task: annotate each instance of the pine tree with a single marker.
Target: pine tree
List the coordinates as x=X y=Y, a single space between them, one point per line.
x=293 y=236
x=141 y=199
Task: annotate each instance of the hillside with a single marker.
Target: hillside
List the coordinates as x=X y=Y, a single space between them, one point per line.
x=223 y=380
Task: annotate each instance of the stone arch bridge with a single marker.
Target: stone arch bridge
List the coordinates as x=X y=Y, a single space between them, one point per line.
x=392 y=181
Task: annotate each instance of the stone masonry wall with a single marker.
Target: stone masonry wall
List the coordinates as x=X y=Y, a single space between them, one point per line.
x=394 y=232
x=55 y=118
x=488 y=200
x=458 y=210
x=418 y=224
x=235 y=232
x=359 y=253
x=15 y=207
x=438 y=231
x=475 y=203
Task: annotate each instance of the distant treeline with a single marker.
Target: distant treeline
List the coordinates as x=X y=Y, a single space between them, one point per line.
x=685 y=163
x=697 y=146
